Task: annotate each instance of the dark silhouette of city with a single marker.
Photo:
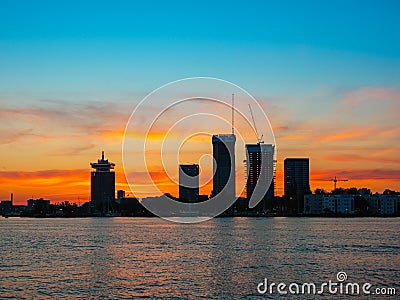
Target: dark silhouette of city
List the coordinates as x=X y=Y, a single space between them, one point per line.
x=298 y=200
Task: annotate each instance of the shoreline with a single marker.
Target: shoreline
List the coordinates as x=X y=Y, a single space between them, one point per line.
x=230 y=216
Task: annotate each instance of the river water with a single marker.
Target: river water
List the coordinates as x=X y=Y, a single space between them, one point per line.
x=222 y=258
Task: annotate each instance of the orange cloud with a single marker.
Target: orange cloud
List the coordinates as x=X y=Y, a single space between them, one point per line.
x=347 y=134
x=293 y=137
x=375 y=179
x=54 y=184
x=27 y=176
x=360 y=158
x=280 y=128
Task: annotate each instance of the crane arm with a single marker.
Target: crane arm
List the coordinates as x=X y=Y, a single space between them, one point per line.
x=255 y=126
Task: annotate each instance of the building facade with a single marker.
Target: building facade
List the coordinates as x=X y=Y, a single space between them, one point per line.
x=329 y=204
x=260 y=167
x=296 y=182
x=338 y=204
x=383 y=204
x=102 y=185
x=313 y=204
x=377 y=204
x=224 y=183
x=189 y=183
x=120 y=194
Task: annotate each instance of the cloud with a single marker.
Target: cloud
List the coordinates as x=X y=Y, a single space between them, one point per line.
x=292 y=137
x=73 y=150
x=383 y=95
x=280 y=128
x=360 y=158
x=45 y=177
x=343 y=135
x=158 y=177
x=55 y=184
x=9 y=136
x=356 y=174
x=57 y=119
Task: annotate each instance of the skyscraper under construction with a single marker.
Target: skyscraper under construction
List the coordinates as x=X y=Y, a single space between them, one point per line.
x=260 y=166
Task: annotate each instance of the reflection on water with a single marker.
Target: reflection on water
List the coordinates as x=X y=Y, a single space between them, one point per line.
x=220 y=258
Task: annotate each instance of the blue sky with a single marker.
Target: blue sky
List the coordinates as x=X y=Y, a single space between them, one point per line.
x=269 y=47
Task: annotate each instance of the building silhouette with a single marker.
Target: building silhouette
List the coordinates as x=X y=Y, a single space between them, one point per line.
x=189 y=183
x=6 y=206
x=130 y=206
x=260 y=173
x=329 y=204
x=381 y=204
x=120 y=194
x=102 y=185
x=224 y=166
x=296 y=182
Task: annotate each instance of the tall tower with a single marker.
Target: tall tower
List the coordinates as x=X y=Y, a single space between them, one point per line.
x=102 y=184
x=296 y=182
x=224 y=168
x=224 y=165
x=260 y=173
x=189 y=183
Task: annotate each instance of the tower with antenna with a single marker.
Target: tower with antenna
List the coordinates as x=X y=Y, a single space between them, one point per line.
x=224 y=166
x=102 y=185
x=233 y=114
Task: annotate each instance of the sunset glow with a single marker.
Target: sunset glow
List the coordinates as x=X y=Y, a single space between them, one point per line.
x=67 y=91
x=48 y=150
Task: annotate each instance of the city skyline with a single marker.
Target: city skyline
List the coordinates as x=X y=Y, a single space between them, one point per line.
x=326 y=76
x=104 y=166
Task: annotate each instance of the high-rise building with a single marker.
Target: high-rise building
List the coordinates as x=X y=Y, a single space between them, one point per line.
x=102 y=184
x=224 y=166
x=189 y=183
x=260 y=165
x=296 y=182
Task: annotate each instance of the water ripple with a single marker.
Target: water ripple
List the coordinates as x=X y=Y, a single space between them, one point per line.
x=222 y=258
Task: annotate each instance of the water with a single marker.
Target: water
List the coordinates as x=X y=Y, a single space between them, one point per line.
x=220 y=258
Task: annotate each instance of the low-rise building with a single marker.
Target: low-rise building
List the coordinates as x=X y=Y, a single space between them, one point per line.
x=329 y=203
x=5 y=207
x=313 y=204
x=383 y=204
x=37 y=203
x=338 y=204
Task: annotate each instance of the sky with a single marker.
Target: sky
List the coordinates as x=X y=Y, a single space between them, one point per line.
x=327 y=75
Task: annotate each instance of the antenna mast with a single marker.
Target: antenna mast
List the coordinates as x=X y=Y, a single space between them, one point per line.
x=233 y=114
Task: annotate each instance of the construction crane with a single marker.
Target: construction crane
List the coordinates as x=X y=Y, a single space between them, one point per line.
x=336 y=180
x=259 y=139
